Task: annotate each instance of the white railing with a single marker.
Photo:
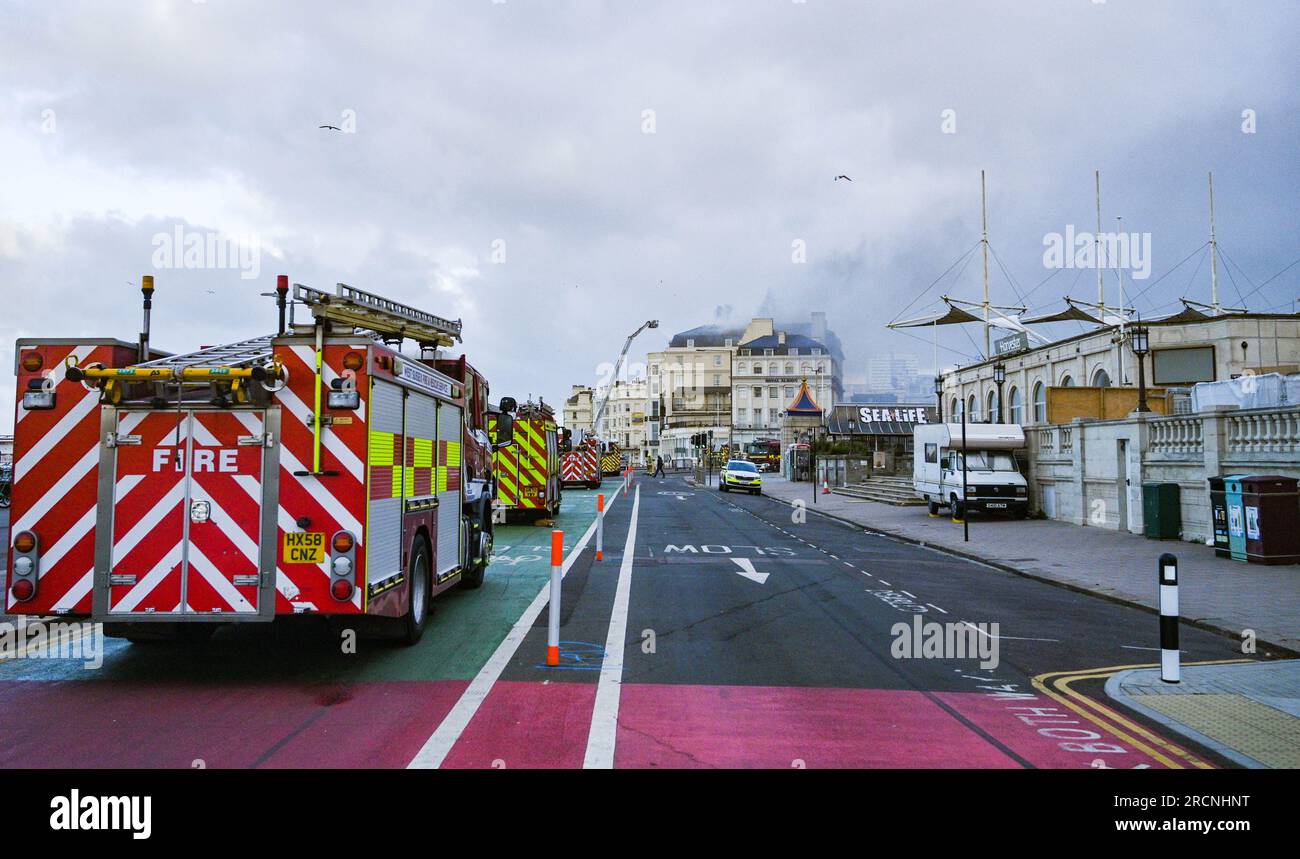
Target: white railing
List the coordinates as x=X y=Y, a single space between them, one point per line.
x=1264 y=432
x=1067 y=439
x=1176 y=436
x=1046 y=440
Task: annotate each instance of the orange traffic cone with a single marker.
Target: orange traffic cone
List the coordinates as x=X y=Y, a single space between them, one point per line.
x=826 y=489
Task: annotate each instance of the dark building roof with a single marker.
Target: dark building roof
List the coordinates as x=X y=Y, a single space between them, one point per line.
x=792 y=341
x=706 y=335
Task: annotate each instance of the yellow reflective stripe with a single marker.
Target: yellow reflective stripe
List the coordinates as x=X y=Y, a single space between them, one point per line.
x=453 y=454
x=424 y=452
x=381 y=447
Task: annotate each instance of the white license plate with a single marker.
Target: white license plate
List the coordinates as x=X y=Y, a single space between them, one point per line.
x=996 y=505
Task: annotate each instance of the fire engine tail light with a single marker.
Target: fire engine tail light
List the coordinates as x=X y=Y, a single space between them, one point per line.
x=343 y=565
x=26 y=566
x=32 y=361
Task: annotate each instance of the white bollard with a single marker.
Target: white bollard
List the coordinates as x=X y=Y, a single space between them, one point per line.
x=600 y=527
x=1168 y=575
x=553 y=624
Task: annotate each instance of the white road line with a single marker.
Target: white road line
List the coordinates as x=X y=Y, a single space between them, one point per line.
x=936 y=608
x=883 y=582
x=1007 y=637
x=604 y=716
x=440 y=743
x=847 y=564
x=909 y=593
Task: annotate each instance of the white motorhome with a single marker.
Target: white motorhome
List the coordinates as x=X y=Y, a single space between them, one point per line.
x=993 y=481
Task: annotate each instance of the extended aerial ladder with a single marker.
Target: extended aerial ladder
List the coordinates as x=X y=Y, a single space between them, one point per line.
x=618 y=365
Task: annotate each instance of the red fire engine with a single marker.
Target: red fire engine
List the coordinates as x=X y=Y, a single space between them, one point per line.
x=314 y=471
x=580 y=465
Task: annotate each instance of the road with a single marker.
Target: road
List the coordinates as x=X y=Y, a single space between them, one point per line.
x=718 y=631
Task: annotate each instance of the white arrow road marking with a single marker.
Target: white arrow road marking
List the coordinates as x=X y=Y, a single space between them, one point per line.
x=747 y=570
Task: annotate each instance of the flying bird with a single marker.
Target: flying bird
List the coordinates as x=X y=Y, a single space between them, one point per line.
x=331 y=127
x=842 y=176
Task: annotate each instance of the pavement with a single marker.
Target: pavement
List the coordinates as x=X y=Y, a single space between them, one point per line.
x=718 y=631
x=1249 y=712
x=1236 y=598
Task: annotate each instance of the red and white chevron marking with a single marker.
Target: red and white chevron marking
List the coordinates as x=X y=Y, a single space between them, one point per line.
x=56 y=469
x=331 y=503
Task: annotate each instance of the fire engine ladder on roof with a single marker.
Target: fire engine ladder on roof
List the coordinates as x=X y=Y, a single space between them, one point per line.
x=235 y=362
x=389 y=319
x=245 y=353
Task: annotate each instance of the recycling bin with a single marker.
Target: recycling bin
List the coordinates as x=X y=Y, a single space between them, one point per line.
x=1219 y=517
x=1271 y=504
x=1162 y=515
x=1236 y=515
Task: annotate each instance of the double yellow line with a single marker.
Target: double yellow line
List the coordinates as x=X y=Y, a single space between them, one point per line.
x=1056 y=685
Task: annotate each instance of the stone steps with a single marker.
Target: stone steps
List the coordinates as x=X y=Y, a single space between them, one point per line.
x=884 y=490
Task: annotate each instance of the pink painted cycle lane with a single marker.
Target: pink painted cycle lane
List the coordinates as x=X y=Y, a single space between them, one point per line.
x=134 y=725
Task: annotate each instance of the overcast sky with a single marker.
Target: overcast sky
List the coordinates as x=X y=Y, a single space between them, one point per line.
x=555 y=173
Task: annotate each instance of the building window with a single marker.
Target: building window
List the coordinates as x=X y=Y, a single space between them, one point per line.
x=758 y=393
x=816 y=352
x=973 y=409
x=954 y=410
x=717 y=360
x=1013 y=400
x=1101 y=379
x=767 y=352
x=993 y=410
x=1067 y=382
x=1040 y=403
x=806 y=367
x=789 y=392
x=772 y=369
x=690 y=344
x=717 y=381
x=771 y=393
x=789 y=368
x=740 y=368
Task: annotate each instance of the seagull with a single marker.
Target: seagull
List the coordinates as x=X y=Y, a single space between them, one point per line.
x=842 y=176
x=331 y=127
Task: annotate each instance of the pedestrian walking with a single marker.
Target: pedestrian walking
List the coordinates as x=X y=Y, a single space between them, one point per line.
x=659 y=467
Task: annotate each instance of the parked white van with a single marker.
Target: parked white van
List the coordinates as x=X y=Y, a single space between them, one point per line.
x=993 y=479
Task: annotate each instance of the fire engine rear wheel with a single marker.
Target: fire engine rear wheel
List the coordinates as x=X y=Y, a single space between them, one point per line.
x=477 y=551
x=417 y=605
x=934 y=508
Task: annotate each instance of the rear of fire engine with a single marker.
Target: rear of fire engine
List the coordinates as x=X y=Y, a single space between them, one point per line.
x=580 y=462
x=314 y=471
x=528 y=472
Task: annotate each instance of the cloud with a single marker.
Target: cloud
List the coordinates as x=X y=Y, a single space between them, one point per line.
x=500 y=170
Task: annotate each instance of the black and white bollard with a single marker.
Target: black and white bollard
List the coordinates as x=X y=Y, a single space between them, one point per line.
x=1168 y=574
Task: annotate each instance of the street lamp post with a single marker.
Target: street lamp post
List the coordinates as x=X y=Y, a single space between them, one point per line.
x=1141 y=344
x=999 y=376
x=938 y=395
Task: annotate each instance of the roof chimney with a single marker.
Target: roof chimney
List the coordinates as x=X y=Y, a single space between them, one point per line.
x=780 y=337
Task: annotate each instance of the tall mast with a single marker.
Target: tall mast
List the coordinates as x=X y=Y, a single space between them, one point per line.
x=1096 y=242
x=1214 y=257
x=984 y=214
